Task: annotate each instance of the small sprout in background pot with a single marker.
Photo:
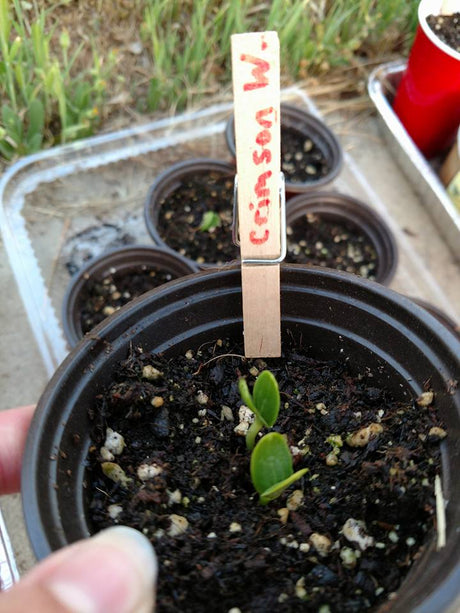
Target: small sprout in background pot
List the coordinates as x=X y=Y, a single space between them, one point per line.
x=271 y=467
x=264 y=403
x=210 y=221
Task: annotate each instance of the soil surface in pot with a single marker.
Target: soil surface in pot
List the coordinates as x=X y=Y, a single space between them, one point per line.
x=302 y=161
x=182 y=214
x=446 y=28
x=313 y=239
x=342 y=538
x=104 y=297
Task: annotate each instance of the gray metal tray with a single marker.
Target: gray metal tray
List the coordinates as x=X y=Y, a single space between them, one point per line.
x=382 y=85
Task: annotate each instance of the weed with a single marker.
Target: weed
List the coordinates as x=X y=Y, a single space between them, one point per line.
x=44 y=102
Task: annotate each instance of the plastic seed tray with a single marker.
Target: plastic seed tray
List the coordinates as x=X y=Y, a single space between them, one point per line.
x=8 y=571
x=61 y=206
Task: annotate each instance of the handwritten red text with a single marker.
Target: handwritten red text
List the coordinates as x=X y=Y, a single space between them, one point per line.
x=265 y=118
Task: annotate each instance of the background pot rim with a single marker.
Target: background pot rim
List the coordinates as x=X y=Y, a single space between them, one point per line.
x=298 y=116
x=439 y=314
x=122 y=258
x=342 y=206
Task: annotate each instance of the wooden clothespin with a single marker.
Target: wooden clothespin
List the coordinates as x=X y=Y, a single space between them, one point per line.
x=259 y=188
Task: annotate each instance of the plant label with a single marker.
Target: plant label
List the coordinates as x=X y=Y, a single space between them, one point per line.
x=256 y=92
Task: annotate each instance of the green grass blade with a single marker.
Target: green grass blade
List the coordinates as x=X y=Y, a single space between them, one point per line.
x=12 y=124
x=5 y=23
x=36 y=118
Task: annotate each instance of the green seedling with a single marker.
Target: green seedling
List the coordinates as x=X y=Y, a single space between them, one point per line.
x=264 y=403
x=210 y=221
x=271 y=467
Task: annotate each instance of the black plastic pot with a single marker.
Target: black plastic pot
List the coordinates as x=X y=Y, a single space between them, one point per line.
x=333 y=314
x=170 y=182
x=348 y=211
x=306 y=126
x=117 y=263
x=440 y=315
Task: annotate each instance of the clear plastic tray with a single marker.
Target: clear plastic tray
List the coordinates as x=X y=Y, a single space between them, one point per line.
x=73 y=201
x=8 y=569
x=54 y=205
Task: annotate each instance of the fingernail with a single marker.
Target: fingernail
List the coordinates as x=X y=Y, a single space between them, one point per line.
x=114 y=571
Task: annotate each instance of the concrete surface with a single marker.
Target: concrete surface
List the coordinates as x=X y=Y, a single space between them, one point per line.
x=23 y=376
x=422 y=249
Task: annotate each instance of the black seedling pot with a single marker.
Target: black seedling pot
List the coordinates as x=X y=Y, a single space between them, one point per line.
x=373 y=240
x=176 y=205
x=307 y=137
x=440 y=315
x=334 y=315
x=130 y=267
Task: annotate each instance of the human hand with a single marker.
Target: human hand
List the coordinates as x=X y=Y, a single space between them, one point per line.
x=114 y=571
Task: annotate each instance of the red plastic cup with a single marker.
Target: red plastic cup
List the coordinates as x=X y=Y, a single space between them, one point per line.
x=427 y=100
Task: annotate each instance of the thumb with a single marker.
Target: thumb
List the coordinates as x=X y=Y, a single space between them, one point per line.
x=113 y=571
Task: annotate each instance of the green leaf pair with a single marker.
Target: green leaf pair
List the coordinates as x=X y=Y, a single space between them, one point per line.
x=210 y=221
x=271 y=460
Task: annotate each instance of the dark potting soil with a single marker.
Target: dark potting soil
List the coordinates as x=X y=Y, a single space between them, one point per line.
x=313 y=239
x=181 y=215
x=339 y=540
x=302 y=160
x=447 y=28
x=104 y=297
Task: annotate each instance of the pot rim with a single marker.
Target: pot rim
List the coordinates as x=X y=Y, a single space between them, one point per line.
x=312 y=122
x=341 y=206
x=439 y=314
x=433 y=7
x=122 y=258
